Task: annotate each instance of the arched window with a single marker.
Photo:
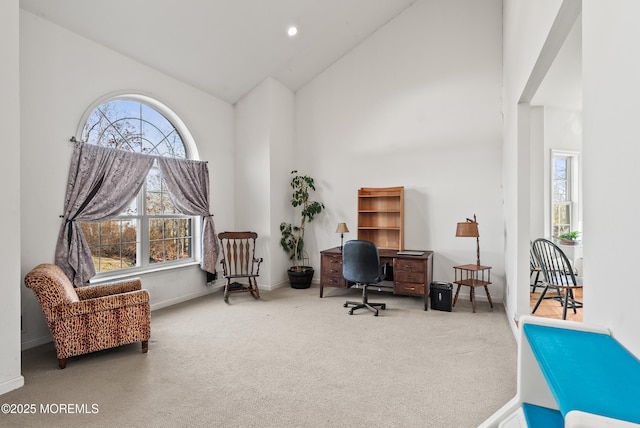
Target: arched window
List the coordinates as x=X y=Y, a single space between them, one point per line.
x=150 y=231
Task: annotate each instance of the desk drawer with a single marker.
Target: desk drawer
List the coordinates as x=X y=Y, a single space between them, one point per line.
x=407 y=276
x=333 y=281
x=408 y=288
x=408 y=265
x=332 y=265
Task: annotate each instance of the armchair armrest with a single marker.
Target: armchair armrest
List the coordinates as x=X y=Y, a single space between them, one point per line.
x=103 y=303
x=95 y=291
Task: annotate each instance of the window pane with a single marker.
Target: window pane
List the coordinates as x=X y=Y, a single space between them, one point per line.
x=113 y=243
x=184 y=248
x=156 y=251
x=91 y=233
x=156 y=229
x=560 y=168
x=562 y=214
x=129 y=255
x=560 y=193
x=109 y=258
x=170 y=239
x=170 y=228
x=110 y=232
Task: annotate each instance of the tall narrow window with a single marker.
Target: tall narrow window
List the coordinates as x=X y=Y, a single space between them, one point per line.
x=564 y=193
x=150 y=231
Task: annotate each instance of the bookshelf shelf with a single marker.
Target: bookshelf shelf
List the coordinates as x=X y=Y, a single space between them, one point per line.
x=381 y=216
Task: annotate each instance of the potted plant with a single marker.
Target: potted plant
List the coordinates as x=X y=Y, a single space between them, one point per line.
x=569 y=238
x=292 y=240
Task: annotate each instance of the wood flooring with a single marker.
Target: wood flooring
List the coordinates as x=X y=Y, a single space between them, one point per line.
x=552 y=309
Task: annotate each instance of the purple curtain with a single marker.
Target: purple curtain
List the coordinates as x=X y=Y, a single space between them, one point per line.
x=102 y=182
x=188 y=185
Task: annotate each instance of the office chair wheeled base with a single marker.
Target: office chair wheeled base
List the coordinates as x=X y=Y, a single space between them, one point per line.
x=365 y=303
x=370 y=306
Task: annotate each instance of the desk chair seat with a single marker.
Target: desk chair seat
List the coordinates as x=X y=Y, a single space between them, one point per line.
x=361 y=266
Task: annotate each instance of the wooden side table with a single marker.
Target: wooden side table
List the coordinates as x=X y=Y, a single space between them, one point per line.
x=472 y=276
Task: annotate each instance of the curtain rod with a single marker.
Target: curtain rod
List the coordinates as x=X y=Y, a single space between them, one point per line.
x=74 y=140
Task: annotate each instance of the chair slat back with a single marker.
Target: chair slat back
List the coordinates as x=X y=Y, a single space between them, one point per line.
x=238 y=253
x=555 y=265
x=533 y=263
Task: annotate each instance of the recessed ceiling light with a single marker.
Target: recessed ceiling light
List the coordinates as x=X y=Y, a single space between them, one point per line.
x=292 y=31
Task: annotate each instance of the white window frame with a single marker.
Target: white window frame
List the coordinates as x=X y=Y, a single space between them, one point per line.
x=575 y=203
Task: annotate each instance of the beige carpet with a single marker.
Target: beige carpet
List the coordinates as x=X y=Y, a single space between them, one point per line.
x=289 y=359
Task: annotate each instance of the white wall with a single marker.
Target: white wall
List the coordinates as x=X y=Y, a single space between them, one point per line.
x=539 y=205
x=264 y=142
x=281 y=165
x=10 y=377
x=62 y=74
x=611 y=66
x=416 y=105
x=526 y=27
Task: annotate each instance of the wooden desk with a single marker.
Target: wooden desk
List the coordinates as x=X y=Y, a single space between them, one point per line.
x=472 y=276
x=406 y=275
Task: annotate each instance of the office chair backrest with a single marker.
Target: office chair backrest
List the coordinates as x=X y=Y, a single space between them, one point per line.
x=360 y=262
x=556 y=267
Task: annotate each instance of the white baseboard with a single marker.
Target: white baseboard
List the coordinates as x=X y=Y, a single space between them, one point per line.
x=11 y=384
x=170 y=302
x=32 y=343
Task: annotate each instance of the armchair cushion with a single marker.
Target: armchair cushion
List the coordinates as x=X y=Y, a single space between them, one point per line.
x=94 y=291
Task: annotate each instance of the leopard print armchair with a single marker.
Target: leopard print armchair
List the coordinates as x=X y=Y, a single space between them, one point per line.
x=93 y=318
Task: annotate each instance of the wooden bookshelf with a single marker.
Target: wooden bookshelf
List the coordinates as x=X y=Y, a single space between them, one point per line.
x=381 y=216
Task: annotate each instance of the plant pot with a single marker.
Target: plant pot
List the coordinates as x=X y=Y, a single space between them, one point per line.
x=568 y=241
x=300 y=279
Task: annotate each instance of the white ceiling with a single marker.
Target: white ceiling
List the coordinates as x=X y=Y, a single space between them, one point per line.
x=225 y=47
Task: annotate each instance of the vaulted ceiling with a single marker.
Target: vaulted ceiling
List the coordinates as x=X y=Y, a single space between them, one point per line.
x=225 y=47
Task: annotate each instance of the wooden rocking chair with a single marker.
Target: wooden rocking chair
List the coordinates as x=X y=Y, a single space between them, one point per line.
x=238 y=262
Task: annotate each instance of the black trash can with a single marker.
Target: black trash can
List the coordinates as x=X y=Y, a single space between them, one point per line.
x=441 y=295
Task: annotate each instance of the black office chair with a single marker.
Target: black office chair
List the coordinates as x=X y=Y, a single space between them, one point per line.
x=558 y=276
x=361 y=266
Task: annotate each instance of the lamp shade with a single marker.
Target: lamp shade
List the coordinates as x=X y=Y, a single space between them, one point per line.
x=342 y=228
x=468 y=229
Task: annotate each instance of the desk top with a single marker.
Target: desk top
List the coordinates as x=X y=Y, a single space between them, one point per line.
x=384 y=252
x=472 y=267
